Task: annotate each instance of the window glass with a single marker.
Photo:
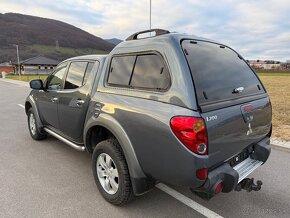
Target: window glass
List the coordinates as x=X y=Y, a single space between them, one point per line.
x=55 y=81
x=75 y=75
x=89 y=70
x=121 y=70
x=217 y=71
x=150 y=72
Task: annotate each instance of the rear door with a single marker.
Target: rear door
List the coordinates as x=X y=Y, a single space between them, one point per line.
x=231 y=98
x=74 y=98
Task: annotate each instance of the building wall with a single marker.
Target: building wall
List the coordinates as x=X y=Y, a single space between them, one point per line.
x=266 y=66
x=6 y=69
x=37 y=70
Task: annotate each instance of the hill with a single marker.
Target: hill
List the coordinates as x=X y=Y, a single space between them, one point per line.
x=114 y=41
x=42 y=36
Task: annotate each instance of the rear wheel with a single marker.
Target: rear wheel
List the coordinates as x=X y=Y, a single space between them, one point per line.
x=111 y=172
x=32 y=126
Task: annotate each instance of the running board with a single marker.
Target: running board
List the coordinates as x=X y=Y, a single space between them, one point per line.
x=246 y=167
x=69 y=143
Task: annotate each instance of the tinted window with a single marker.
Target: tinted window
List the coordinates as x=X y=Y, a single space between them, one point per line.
x=150 y=72
x=217 y=71
x=89 y=71
x=75 y=75
x=121 y=70
x=55 y=80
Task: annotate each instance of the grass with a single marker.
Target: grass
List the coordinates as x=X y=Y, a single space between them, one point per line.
x=71 y=52
x=273 y=73
x=278 y=87
x=26 y=78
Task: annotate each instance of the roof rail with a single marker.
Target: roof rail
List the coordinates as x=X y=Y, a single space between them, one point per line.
x=158 y=32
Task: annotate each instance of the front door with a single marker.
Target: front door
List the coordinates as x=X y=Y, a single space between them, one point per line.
x=74 y=99
x=47 y=100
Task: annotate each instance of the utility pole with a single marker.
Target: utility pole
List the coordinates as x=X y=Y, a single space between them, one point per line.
x=18 y=61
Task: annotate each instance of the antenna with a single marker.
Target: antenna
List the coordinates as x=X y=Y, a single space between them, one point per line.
x=150 y=15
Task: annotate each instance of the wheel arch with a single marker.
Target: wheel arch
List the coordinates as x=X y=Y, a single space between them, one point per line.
x=30 y=103
x=110 y=127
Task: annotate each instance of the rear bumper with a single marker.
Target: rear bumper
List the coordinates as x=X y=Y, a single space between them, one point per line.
x=231 y=176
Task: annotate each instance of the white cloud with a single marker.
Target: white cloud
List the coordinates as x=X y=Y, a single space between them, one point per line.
x=256 y=29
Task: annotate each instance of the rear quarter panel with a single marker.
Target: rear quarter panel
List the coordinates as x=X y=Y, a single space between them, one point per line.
x=147 y=124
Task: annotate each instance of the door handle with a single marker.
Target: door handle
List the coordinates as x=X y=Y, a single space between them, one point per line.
x=54 y=99
x=80 y=102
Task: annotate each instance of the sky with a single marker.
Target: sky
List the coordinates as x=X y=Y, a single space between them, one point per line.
x=257 y=29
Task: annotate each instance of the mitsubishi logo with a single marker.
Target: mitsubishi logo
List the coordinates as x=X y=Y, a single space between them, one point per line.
x=247 y=112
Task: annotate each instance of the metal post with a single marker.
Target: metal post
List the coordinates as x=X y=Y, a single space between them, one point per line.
x=18 y=61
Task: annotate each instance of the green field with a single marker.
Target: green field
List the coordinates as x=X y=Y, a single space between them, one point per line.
x=277 y=85
x=273 y=73
x=62 y=51
x=26 y=78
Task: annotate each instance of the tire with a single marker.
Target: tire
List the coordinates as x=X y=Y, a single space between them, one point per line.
x=107 y=178
x=32 y=126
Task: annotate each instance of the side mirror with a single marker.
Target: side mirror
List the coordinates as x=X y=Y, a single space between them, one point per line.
x=36 y=84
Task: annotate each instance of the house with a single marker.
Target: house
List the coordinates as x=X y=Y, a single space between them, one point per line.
x=6 y=68
x=36 y=65
x=286 y=65
x=258 y=65
x=266 y=65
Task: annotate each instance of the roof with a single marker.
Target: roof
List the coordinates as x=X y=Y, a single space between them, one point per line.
x=5 y=64
x=40 y=60
x=87 y=57
x=172 y=36
x=92 y=57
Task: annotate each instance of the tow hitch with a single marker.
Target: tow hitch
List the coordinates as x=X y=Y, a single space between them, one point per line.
x=249 y=185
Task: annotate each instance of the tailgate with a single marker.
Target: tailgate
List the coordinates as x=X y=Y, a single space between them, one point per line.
x=232 y=99
x=232 y=129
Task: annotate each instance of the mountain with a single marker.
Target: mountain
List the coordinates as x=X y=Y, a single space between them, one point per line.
x=114 y=41
x=41 y=36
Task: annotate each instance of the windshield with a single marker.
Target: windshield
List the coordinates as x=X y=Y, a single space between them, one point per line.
x=219 y=73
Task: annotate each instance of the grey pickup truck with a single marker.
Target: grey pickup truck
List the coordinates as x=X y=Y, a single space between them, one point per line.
x=172 y=108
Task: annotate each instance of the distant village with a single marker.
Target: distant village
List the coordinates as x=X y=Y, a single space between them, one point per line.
x=42 y=66
x=269 y=65
x=33 y=66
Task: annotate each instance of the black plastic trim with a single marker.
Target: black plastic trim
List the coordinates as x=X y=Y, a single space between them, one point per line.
x=228 y=176
x=142 y=185
x=262 y=150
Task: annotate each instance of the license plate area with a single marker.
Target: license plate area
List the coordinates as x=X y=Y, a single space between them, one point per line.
x=241 y=156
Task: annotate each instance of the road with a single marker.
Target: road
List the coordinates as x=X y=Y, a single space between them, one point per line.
x=49 y=179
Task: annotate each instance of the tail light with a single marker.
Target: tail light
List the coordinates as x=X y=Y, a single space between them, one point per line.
x=191 y=131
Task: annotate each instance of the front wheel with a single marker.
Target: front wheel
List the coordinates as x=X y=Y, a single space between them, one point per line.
x=32 y=126
x=111 y=172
